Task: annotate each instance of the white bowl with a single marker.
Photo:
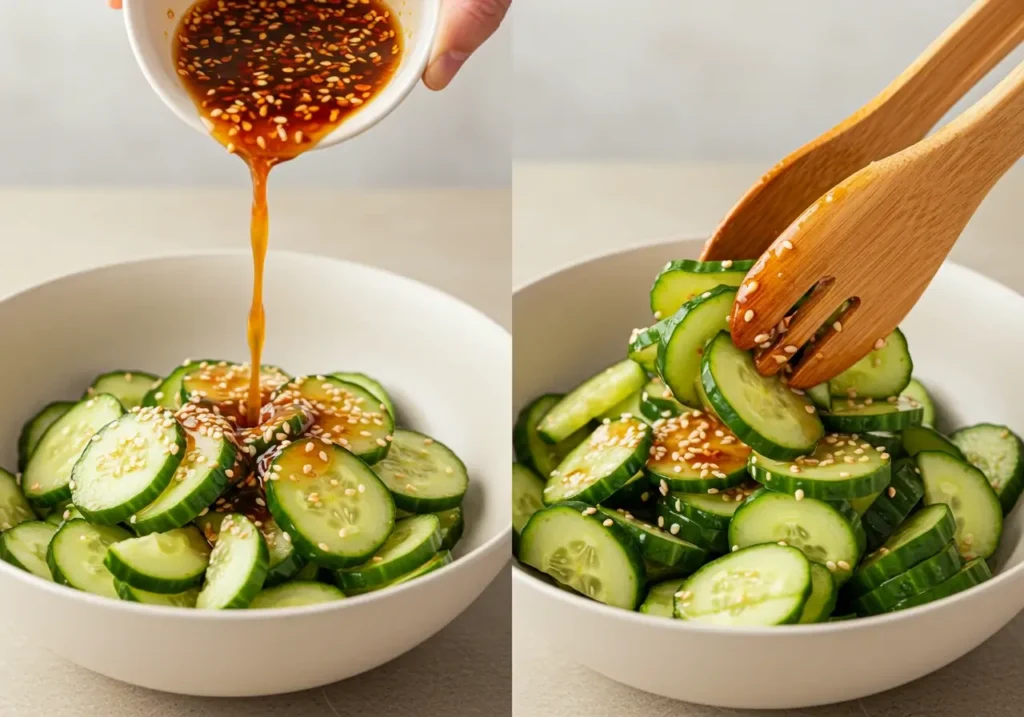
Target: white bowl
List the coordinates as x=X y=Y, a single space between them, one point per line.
x=573 y=322
x=446 y=364
x=151 y=30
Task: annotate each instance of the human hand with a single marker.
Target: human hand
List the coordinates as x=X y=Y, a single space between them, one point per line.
x=465 y=26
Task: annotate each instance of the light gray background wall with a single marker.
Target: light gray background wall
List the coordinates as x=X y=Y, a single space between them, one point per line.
x=75 y=109
x=665 y=80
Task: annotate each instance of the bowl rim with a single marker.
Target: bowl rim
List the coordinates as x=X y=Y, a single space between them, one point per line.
x=521 y=576
x=502 y=540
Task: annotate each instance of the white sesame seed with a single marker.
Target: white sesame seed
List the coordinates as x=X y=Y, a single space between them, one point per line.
x=748 y=316
x=799 y=495
x=608 y=523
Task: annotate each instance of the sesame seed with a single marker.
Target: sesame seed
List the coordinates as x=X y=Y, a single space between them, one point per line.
x=322 y=546
x=748 y=316
x=590 y=511
x=608 y=523
x=837 y=326
x=799 y=495
x=809 y=408
x=831 y=566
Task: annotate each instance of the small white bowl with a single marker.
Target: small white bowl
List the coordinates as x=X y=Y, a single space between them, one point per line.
x=446 y=365
x=151 y=28
x=571 y=323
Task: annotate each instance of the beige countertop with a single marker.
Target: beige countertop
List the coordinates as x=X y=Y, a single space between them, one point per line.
x=457 y=240
x=565 y=213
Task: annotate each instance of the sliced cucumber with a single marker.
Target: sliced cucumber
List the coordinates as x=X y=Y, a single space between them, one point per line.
x=996 y=452
x=921 y=438
x=973 y=573
x=894 y=504
x=435 y=563
x=891 y=443
x=975 y=505
x=185 y=599
x=76 y=552
x=923 y=535
x=167 y=393
x=412 y=543
x=309 y=572
x=47 y=477
x=684 y=337
x=24 y=546
x=591 y=399
x=296 y=594
x=602 y=464
x=713 y=510
x=822 y=600
x=423 y=474
x=659 y=572
x=860 y=416
x=712 y=540
x=336 y=510
x=452 y=526
x=763 y=412
x=882 y=373
x=36 y=426
x=660 y=598
x=637 y=493
x=238 y=566
x=127 y=465
x=694 y=453
x=658 y=545
x=657 y=401
x=630 y=408
x=860 y=505
x=14 y=507
x=278 y=424
x=166 y=563
x=760 y=585
x=285 y=562
x=531 y=449
x=643 y=346
x=923 y=576
x=128 y=387
x=916 y=390
x=680 y=281
x=373 y=386
x=829 y=533
x=840 y=467
x=820 y=396
x=576 y=546
x=226 y=386
x=527 y=497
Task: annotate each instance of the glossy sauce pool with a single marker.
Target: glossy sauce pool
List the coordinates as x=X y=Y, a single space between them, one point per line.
x=270 y=78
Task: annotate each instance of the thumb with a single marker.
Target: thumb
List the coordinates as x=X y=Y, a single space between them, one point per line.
x=465 y=26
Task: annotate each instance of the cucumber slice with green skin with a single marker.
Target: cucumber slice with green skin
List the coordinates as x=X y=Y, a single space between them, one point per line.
x=694 y=453
x=204 y=472
x=891 y=443
x=705 y=402
x=883 y=372
x=24 y=546
x=840 y=467
x=712 y=540
x=573 y=544
x=167 y=393
x=452 y=525
x=127 y=465
x=658 y=545
x=128 y=387
x=435 y=563
x=310 y=572
x=643 y=346
x=76 y=553
x=820 y=396
x=822 y=600
x=372 y=385
x=684 y=337
x=166 y=563
x=47 y=477
x=14 y=507
x=923 y=535
x=916 y=390
x=36 y=426
x=923 y=576
x=412 y=543
x=659 y=572
x=591 y=399
x=527 y=497
x=60 y=515
x=975 y=505
x=760 y=585
x=295 y=594
x=423 y=474
x=531 y=449
x=660 y=600
x=630 y=408
x=973 y=573
x=860 y=505
x=277 y=425
x=762 y=411
x=337 y=512
x=829 y=533
x=921 y=438
x=713 y=510
x=226 y=385
x=602 y=464
x=186 y=599
x=346 y=414
x=238 y=566
x=996 y=452
x=861 y=416
x=657 y=401
x=680 y=281
x=894 y=504
x=843 y=618
x=637 y=493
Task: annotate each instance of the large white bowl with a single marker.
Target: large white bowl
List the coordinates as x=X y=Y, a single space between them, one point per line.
x=572 y=323
x=448 y=368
